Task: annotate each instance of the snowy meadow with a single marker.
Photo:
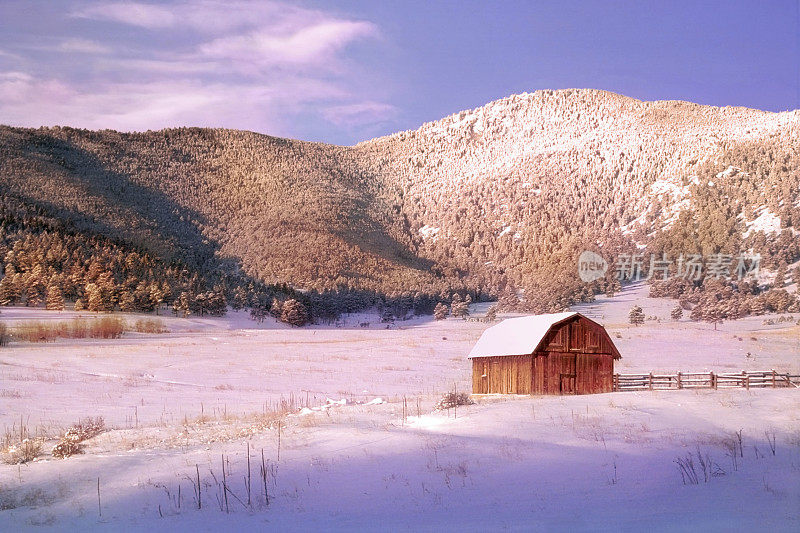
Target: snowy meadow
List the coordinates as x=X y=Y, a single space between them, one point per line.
x=225 y=423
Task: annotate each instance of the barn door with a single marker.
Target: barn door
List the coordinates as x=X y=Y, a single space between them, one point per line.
x=586 y=379
x=568 y=374
x=524 y=374
x=495 y=377
x=539 y=385
x=480 y=376
x=605 y=379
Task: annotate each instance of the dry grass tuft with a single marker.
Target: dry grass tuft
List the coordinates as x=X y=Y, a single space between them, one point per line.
x=23 y=452
x=72 y=441
x=107 y=328
x=79 y=328
x=34 y=497
x=66 y=448
x=150 y=325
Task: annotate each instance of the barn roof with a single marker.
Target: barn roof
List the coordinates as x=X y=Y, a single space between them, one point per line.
x=519 y=336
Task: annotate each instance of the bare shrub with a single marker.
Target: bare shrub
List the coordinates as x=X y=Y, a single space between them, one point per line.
x=23 y=452
x=35 y=331
x=770 y=434
x=79 y=328
x=88 y=427
x=108 y=328
x=34 y=497
x=66 y=448
x=150 y=325
x=4 y=335
x=703 y=470
x=687 y=470
x=452 y=399
x=72 y=441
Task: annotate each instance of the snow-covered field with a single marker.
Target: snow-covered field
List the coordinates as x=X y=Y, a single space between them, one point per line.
x=177 y=403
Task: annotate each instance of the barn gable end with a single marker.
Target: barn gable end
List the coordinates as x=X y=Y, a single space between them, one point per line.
x=578 y=334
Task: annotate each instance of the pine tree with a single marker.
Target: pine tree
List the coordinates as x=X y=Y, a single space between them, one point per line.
x=636 y=316
x=794 y=306
x=55 y=299
x=215 y=302
x=8 y=289
x=460 y=308
x=199 y=304
x=491 y=313
x=35 y=286
x=778 y=300
x=613 y=287
x=713 y=313
x=240 y=299
x=780 y=277
x=294 y=313
x=79 y=305
x=94 y=298
x=758 y=306
x=676 y=313
x=127 y=303
x=180 y=307
x=276 y=309
x=106 y=292
x=509 y=300
x=142 y=298
x=796 y=275
x=441 y=311
x=156 y=296
x=698 y=311
x=95 y=270
x=731 y=311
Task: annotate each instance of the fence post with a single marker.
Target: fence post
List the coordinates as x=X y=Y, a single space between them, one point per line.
x=747 y=382
x=773 y=378
x=650 y=384
x=615 y=383
x=713 y=381
x=680 y=385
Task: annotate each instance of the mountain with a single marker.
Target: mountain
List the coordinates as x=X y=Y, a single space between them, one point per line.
x=515 y=180
x=486 y=201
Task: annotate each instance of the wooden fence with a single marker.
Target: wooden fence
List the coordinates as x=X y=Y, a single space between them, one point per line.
x=705 y=380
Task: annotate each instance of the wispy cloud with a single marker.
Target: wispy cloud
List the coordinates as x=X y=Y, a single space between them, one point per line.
x=82 y=46
x=132 y=13
x=313 y=44
x=250 y=65
x=354 y=115
x=205 y=16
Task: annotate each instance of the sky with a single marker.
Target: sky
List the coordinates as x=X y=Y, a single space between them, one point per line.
x=343 y=72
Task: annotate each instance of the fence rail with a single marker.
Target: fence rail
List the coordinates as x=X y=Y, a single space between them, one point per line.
x=705 y=380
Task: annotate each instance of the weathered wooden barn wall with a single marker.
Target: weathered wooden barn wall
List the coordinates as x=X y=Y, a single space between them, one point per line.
x=502 y=375
x=574 y=357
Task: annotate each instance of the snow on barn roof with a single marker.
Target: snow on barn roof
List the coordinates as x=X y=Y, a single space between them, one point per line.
x=516 y=336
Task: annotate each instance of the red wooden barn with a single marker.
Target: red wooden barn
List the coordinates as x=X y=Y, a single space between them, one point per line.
x=561 y=353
